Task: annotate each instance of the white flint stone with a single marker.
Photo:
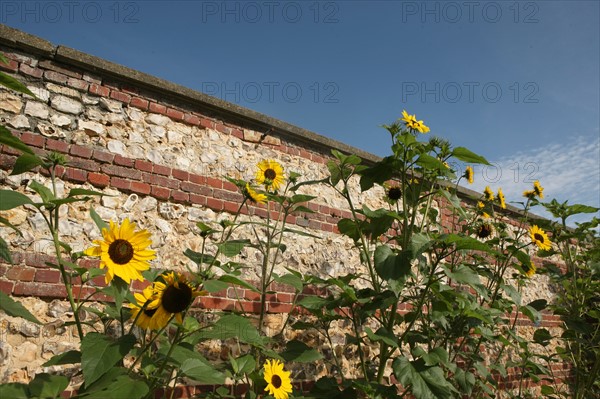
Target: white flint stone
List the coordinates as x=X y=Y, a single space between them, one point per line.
x=214 y=136
x=111 y=105
x=117 y=119
x=208 y=157
x=138 y=127
x=117 y=147
x=66 y=104
x=20 y=122
x=49 y=130
x=67 y=91
x=134 y=114
x=60 y=120
x=163 y=225
x=135 y=137
x=94 y=114
x=24 y=240
x=114 y=132
x=106 y=213
x=111 y=202
x=200 y=215
x=157 y=131
x=174 y=137
x=37 y=222
x=182 y=163
x=157 y=119
x=27 y=352
x=5 y=352
x=37 y=109
x=148 y=204
x=155 y=156
x=44 y=246
x=137 y=151
x=11 y=103
x=40 y=93
x=89 y=100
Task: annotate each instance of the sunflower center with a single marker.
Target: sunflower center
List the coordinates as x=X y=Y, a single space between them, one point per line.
x=270 y=174
x=149 y=312
x=176 y=299
x=276 y=381
x=484 y=231
x=120 y=251
x=394 y=193
x=539 y=237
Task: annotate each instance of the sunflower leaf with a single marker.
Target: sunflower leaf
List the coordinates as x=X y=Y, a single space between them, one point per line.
x=11 y=199
x=99 y=353
x=15 y=309
x=25 y=163
x=468 y=156
x=98 y=220
x=201 y=372
x=297 y=351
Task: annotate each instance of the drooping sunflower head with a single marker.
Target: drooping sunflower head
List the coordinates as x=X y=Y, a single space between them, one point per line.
x=540 y=238
x=253 y=195
x=412 y=123
x=174 y=295
x=270 y=174
x=393 y=193
x=484 y=230
x=144 y=309
x=502 y=199
x=469 y=174
x=529 y=269
x=538 y=189
x=529 y=194
x=278 y=381
x=488 y=194
x=123 y=251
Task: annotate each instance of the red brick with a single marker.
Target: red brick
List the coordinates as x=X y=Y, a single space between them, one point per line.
x=124 y=161
x=191 y=119
x=229 y=186
x=56 y=77
x=157 y=108
x=40 y=290
x=197 y=179
x=216 y=303
x=12 y=66
x=6 y=287
x=160 y=192
x=140 y=188
x=175 y=114
x=285 y=297
x=99 y=90
x=98 y=179
x=231 y=207
x=161 y=181
x=304 y=153
x=251 y=295
x=275 y=307
x=250 y=307
x=179 y=196
x=143 y=165
x=216 y=183
x=195 y=188
x=139 y=103
x=46 y=64
x=219 y=127
x=32 y=139
x=197 y=199
x=47 y=276
x=161 y=170
x=80 y=151
x=228 y=195
x=121 y=171
x=237 y=133
x=27 y=70
x=20 y=273
x=77 y=175
x=120 y=96
x=207 y=123
x=119 y=183
x=180 y=174
x=215 y=204
x=78 y=84
x=103 y=156
x=57 y=145
x=129 y=89
x=86 y=164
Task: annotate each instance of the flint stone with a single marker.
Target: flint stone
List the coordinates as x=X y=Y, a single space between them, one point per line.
x=66 y=104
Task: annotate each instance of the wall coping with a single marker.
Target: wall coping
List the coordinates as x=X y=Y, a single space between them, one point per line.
x=233 y=113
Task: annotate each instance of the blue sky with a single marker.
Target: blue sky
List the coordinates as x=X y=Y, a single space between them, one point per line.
x=515 y=81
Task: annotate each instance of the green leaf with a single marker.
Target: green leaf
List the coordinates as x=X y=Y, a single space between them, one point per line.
x=201 y=372
x=234 y=326
x=538 y=304
x=44 y=192
x=69 y=357
x=11 y=199
x=466 y=243
x=379 y=173
x=15 y=309
x=25 y=163
x=313 y=302
x=297 y=198
x=48 y=386
x=14 y=84
x=423 y=382
x=466 y=155
x=382 y=334
x=530 y=312
x=297 y=351
x=14 y=391
x=82 y=191
x=434 y=357
x=392 y=267
x=227 y=278
x=5 y=252
x=214 y=285
x=100 y=353
x=101 y=224
x=233 y=247
x=7 y=138
x=542 y=336
x=349 y=228
x=547 y=390
x=243 y=364
x=290 y=279
x=116 y=383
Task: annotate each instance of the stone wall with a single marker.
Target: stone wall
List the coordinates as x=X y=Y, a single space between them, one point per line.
x=162 y=152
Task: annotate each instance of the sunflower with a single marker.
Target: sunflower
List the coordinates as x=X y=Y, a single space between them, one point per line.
x=278 y=380
x=469 y=174
x=173 y=295
x=143 y=311
x=123 y=251
x=485 y=230
x=501 y=199
x=539 y=238
x=253 y=195
x=392 y=193
x=489 y=194
x=529 y=194
x=529 y=269
x=270 y=174
x=538 y=189
x=411 y=122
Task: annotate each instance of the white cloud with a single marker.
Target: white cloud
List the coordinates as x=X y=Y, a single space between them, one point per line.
x=567 y=171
